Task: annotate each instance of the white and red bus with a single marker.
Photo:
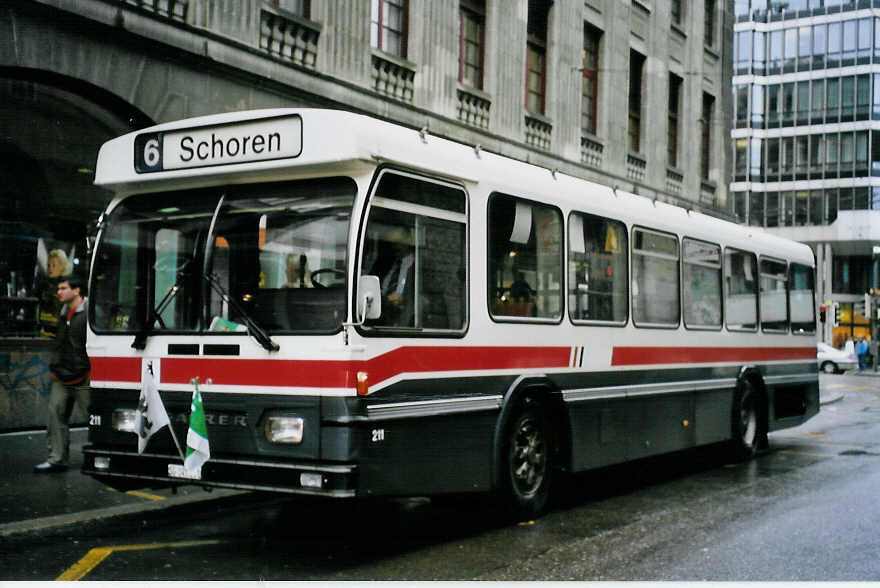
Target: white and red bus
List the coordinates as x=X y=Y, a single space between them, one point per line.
x=375 y=311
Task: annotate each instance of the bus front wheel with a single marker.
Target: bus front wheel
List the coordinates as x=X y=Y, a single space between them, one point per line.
x=527 y=464
x=747 y=422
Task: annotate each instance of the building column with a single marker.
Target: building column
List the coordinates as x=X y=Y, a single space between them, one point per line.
x=824 y=257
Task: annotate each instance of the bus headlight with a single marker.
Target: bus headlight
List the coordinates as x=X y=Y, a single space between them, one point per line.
x=124 y=420
x=284 y=429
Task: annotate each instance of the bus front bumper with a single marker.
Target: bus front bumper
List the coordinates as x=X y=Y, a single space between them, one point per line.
x=128 y=469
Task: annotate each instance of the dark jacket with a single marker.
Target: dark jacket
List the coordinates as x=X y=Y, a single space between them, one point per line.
x=71 y=361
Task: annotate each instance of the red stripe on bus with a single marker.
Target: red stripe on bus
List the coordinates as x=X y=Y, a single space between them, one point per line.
x=116 y=369
x=667 y=355
x=330 y=373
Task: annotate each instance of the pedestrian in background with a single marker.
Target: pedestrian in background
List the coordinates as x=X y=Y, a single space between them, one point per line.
x=862 y=353
x=70 y=370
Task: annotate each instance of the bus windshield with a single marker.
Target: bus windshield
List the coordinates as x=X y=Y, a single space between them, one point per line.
x=278 y=250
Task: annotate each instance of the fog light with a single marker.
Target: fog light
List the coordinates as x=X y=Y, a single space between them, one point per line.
x=102 y=463
x=284 y=429
x=311 y=480
x=124 y=420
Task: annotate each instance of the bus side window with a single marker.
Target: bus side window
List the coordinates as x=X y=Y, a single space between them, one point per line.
x=655 y=283
x=701 y=284
x=415 y=244
x=741 y=300
x=774 y=302
x=525 y=258
x=597 y=269
x=801 y=280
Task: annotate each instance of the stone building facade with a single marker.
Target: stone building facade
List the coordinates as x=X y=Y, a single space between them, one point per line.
x=628 y=93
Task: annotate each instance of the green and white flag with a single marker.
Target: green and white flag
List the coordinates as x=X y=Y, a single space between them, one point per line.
x=197 y=449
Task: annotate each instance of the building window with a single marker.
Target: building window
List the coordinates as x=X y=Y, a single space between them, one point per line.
x=743 y=51
x=756 y=209
x=301 y=8
x=634 y=126
x=388 y=26
x=739 y=206
x=472 y=23
x=673 y=109
x=741 y=162
x=775 y=57
x=772 y=159
x=772 y=209
x=706 y=135
x=773 y=105
x=709 y=32
x=590 y=85
x=676 y=10
x=741 y=104
x=536 y=60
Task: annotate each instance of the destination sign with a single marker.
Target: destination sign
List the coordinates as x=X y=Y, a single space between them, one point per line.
x=259 y=140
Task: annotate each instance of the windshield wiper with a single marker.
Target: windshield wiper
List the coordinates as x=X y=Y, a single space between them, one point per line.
x=253 y=329
x=140 y=338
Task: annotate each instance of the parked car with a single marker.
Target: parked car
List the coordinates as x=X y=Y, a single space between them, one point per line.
x=832 y=361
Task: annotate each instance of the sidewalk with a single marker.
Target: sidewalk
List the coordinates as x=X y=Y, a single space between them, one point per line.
x=32 y=502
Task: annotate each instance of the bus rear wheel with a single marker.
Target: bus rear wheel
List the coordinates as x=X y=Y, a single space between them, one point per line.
x=527 y=460
x=747 y=422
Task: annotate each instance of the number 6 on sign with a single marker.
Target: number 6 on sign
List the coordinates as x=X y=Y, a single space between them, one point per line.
x=152 y=155
x=148 y=153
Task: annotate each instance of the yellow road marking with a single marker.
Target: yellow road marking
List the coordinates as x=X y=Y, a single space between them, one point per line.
x=863 y=388
x=146 y=495
x=139 y=494
x=95 y=556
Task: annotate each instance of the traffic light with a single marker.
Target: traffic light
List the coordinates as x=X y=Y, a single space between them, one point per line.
x=822 y=314
x=835 y=320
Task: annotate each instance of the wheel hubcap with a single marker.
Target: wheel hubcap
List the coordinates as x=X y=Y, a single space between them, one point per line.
x=529 y=457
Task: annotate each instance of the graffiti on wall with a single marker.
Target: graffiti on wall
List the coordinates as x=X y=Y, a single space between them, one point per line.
x=22 y=376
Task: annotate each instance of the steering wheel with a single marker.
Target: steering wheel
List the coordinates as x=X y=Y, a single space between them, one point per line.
x=325 y=270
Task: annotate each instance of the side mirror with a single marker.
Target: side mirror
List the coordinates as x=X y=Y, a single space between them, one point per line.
x=369 y=299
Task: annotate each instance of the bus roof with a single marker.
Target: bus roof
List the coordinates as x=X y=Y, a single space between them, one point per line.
x=263 y=145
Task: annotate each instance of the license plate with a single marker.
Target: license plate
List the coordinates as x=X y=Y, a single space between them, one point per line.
x=178 y=471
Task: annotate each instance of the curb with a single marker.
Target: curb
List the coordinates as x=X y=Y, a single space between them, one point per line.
x=831 y=399
x=98 y=514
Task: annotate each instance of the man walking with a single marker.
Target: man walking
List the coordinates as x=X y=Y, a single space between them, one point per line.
x=70 y=374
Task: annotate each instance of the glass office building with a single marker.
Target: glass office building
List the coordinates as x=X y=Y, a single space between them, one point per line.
x=806 y=138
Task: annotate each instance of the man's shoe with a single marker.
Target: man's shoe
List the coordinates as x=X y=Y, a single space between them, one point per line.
x=48 y=467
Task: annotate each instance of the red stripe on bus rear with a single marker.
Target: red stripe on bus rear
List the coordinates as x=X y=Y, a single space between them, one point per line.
x=671 y=355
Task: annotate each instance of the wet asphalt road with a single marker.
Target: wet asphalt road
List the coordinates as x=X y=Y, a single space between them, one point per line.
x=804 y=510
